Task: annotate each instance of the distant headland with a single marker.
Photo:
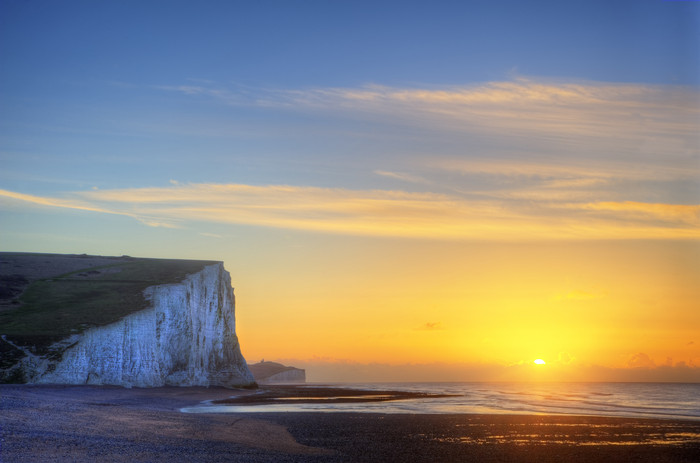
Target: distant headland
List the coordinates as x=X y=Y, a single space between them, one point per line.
x=276 y=373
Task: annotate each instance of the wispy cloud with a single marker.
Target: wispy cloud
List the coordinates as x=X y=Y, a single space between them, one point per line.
x=83 y=205
x=523 y=106
x=53 y=202
x=570 y=134
x=218 y=93
x=211 y=235
x=381 y=212
x=579 y=170
x=672 y=214
x=406 y=177
x=584 y=161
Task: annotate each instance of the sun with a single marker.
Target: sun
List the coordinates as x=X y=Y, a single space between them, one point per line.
x=539 y=362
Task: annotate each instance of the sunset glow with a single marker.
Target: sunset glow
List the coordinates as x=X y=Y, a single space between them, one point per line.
x=431 y=194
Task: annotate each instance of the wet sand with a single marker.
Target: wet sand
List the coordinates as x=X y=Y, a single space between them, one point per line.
x=275 y=394
x=86 y=423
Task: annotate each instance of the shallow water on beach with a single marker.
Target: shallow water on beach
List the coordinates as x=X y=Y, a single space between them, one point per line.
x=640 y=400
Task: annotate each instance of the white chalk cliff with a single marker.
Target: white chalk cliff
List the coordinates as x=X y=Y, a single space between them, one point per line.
x=186 y=338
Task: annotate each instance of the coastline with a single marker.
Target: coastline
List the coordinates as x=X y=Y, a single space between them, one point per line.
x=90 y=423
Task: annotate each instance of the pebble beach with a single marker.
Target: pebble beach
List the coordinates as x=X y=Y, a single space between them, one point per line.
x=45 y=423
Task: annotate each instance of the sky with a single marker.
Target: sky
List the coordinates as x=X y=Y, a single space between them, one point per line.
x=402 y=191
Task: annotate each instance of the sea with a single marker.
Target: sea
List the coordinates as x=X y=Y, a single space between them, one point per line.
x=638 y=400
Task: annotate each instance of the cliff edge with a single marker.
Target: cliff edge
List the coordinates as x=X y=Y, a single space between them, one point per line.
x=178 y=333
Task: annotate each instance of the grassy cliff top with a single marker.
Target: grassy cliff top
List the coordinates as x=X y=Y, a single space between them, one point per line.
x=47 y=297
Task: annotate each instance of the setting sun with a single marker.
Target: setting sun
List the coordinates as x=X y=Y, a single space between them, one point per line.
x=540 y=362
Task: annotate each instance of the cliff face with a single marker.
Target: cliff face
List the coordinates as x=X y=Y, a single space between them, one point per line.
x=186 y=338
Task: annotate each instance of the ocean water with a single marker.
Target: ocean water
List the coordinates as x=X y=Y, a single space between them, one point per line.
x=641 y=400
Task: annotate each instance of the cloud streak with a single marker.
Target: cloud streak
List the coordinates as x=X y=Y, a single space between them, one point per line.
x=570 y=111
x=565 y=135
x=401 y=176
x=386 y=213
x=527 y=106
x=80 y=205
x=582 y=161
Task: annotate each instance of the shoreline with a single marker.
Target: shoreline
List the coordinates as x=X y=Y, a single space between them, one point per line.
x=381 y=398
x=93 y=423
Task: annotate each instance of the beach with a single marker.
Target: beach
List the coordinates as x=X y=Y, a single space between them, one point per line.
x=89 y=423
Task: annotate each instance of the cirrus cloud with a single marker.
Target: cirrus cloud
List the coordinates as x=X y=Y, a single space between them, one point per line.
x=381 y=212
x=526 y=107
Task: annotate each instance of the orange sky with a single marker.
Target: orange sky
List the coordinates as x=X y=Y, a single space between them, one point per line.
x=574 y=304
x=587 y=260
x=450 y=194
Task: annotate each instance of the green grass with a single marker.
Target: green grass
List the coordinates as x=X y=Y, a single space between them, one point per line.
x=57 y=307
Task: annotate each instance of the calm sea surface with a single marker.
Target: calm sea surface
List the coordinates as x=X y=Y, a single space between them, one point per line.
x=645 y=400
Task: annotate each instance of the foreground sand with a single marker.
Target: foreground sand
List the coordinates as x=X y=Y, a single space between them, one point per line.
x=84 y=423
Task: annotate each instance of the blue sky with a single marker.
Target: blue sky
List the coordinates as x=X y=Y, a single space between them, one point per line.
x=321 y=43
x=587 y=109
x=283 y=137
x=82 y=83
